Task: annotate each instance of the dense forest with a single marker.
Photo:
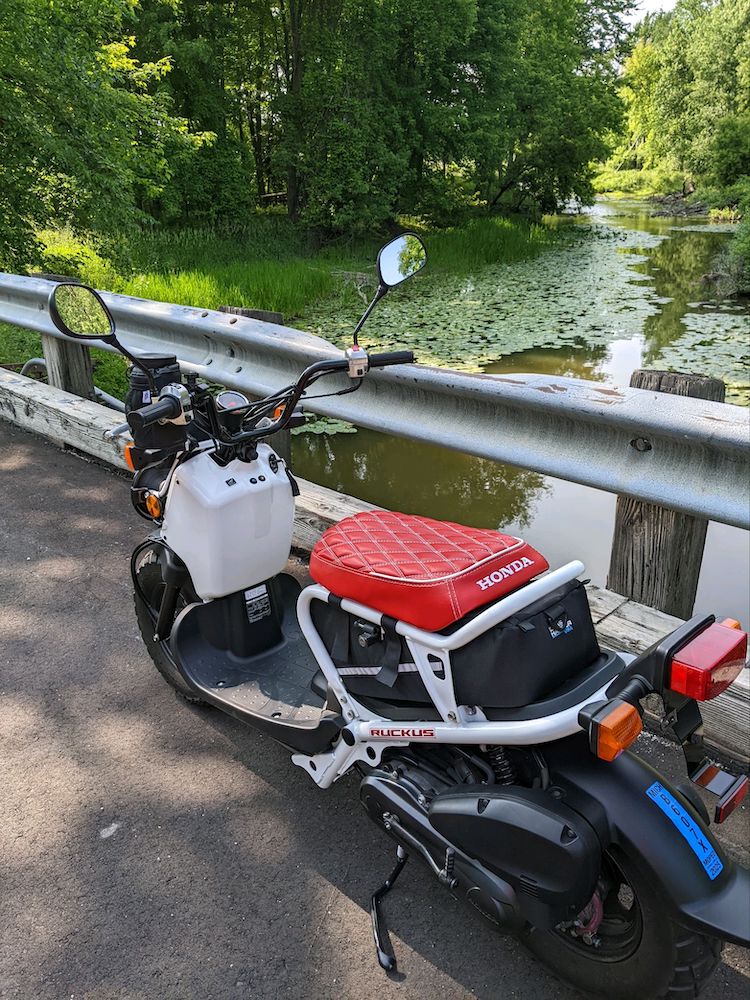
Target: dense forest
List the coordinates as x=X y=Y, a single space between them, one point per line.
x=352 y=111
x=122 y=116
x=685 y=88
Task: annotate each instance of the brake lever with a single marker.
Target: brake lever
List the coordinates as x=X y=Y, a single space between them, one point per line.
x=116 y=432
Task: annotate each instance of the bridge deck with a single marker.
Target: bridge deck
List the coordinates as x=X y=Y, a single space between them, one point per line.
x=149 y=849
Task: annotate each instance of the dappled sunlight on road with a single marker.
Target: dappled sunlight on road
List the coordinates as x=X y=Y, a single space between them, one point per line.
x=152 y=850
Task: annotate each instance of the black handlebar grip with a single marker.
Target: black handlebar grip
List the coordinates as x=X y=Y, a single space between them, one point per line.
x=163 y=409
x=391 y=358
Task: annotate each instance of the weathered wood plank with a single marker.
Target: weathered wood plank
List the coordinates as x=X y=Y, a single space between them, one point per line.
x=317 y=508
x=603 y=602
x=64 y=418
x=620 y=623
x=634 y=627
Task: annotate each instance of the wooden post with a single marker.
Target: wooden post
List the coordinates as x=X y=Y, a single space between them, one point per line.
x=262 y=314
x=68 y=366
x=657 y=552
x=282 y=442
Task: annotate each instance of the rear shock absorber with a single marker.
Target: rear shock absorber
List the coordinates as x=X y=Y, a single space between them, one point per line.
x=504 y=771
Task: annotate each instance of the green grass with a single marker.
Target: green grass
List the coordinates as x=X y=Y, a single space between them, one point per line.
x=284 y=287
x=483 y=241
x=18 y=345
x=637 y=183
x=266 y=264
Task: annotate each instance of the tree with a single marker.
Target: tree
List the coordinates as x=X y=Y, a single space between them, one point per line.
x=82 y=138
x=540 y=97
x=688 y=72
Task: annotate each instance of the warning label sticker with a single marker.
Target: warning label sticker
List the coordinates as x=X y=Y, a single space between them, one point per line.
x=258 y=603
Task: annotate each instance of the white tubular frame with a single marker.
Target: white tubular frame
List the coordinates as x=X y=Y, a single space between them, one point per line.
x=367 y=735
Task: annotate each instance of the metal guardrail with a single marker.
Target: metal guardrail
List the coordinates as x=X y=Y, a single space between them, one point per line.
x=689 y=454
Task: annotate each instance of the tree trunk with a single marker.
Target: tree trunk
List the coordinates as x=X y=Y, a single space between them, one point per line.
x=296 y=70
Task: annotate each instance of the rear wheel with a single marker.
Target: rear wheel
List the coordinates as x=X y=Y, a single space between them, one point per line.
x=147 y=593
x=633 y=948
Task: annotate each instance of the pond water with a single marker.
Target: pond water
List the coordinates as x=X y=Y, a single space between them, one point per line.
x=621 y=290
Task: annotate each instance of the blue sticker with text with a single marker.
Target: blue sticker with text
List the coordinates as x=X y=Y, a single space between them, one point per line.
x=697 y=841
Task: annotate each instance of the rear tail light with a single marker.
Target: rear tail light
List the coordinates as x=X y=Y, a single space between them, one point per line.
x=709 y=663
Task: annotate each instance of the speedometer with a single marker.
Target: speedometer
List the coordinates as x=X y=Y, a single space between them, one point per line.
x=231 y=400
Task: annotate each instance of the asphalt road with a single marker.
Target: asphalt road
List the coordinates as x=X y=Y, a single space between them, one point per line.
x=153 y=850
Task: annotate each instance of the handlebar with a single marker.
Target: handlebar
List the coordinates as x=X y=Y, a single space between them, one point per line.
x=169 y=406
x=164 y=409
x=391 y=358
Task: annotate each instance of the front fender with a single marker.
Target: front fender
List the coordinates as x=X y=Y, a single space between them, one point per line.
x=633 y=807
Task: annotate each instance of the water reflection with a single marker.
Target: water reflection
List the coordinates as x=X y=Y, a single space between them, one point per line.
x=419 y=478
x=623 y=292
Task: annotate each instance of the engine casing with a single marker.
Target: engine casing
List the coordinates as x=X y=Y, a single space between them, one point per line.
x=548 y=852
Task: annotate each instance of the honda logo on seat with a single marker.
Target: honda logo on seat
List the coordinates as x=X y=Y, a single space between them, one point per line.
x=506 y=571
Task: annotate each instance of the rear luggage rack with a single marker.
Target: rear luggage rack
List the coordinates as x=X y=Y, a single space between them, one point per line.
x=486 y=619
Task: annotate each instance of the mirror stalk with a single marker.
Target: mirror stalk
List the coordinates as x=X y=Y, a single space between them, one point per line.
x=382 y=289
x=138 y=364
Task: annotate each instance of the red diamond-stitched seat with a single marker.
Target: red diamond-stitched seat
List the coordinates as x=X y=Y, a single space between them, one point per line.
x=426 y=572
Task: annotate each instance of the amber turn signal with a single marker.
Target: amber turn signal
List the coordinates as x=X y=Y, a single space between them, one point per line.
x=730 y=623
x=616 y=730
x=128 y=454
x=612 y=726
x=153 y=505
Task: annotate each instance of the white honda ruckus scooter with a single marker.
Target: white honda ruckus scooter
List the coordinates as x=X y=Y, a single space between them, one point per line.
x=448 y=665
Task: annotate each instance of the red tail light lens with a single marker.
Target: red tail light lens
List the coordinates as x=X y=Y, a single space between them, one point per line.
x=709 y=663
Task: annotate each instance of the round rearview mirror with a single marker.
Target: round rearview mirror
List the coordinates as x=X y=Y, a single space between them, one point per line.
x=400 y=259
x=78 y=311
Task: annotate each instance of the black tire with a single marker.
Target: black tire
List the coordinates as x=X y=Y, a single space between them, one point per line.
x=643 y=953
x=147 y=597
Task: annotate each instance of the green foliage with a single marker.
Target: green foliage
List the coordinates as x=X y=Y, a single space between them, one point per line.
x=686 y=91
x=485 y=241
x=735 y=195
x=71 y=256
x=158 y=125
x=729 y=150
x=740 y=250
x=725 y=214
x=281 y=286
x=17 y=345
x=325 y=425
x=191 y=112
x=85 y=132
x=540 y=98
x=636 y=183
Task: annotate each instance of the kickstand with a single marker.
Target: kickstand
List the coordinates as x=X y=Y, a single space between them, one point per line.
x=386 y=957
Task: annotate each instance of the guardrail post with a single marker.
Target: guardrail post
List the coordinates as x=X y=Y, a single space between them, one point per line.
x=657 y=552
x=282 y=442
x=68 y=366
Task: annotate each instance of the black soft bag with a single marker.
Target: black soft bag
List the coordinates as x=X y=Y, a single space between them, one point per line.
x=518 y=662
